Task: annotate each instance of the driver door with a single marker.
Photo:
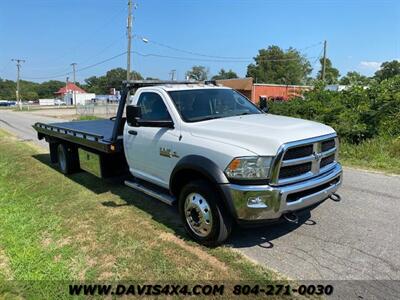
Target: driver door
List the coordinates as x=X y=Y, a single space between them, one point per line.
x=145 y=146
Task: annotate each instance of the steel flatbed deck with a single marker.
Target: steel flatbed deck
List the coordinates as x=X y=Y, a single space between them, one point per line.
x=94 y=134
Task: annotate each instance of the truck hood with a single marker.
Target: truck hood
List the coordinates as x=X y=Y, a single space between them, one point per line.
x=261 y=134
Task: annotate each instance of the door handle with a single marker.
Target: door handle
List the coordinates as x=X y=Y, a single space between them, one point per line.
x=133 y=132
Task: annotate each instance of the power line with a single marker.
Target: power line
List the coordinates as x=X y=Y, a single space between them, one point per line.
x=225 y=60
x=211 y=60
x=81 y=69
x=311 y=46
x=159 y=56
x=207 y=55
x=186 y=51
x=102 y=62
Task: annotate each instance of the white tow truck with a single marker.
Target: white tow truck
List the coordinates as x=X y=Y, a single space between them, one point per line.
x=207 y=149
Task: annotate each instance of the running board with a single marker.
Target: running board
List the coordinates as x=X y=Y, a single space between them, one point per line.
x=152 y=192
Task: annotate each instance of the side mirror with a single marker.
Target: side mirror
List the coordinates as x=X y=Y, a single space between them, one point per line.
x=133 y=114
x=263 y=104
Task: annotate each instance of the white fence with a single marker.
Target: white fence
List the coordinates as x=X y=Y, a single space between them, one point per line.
x=94 y=109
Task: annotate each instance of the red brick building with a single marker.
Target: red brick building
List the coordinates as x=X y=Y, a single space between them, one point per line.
x=273 y=92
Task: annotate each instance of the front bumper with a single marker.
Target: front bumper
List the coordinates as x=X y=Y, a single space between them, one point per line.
x=278 y=200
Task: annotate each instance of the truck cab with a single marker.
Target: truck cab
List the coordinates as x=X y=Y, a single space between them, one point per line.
x=224 y=160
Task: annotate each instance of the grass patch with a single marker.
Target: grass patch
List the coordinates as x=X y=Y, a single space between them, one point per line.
x=79 y=228
x=379 y=154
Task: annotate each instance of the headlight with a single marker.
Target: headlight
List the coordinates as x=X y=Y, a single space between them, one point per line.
x=252 y=167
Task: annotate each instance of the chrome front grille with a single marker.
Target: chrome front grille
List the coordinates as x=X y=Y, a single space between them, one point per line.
x=295 y=170
x=301 y=160
x=298 y=152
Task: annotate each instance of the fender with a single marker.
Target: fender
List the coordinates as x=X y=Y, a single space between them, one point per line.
x=202 y=165
x=209 y=170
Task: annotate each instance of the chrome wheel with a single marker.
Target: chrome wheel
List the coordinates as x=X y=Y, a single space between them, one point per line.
x=198 y=214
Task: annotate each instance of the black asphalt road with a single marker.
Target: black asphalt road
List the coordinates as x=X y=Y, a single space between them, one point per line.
x=357 y=238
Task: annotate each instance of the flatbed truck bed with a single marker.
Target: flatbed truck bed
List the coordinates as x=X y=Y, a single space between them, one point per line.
x=94 y=134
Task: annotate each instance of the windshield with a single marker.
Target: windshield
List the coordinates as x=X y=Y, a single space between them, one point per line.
x=207 y=104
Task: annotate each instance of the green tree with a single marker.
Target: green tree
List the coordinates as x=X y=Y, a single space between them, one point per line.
x=198 y=73
x=48 y=88
x=331 y=74
x=7 y=89
x=388 y=70
x=275 y=65
x=225 y=75
x=93 y=84
x=28 y=90
x=29 y=95
x=354 y=78
x=114 y=78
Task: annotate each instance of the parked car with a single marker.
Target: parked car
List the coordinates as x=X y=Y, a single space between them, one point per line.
x=7 y=103
x=59 y=102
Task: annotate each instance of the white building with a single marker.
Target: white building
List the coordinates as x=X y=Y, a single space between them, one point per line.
x=72 y=97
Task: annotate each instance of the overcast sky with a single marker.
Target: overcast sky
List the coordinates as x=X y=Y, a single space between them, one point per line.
x=51 y=34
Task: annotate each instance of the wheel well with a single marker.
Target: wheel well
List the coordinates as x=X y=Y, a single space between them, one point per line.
x=183 y=177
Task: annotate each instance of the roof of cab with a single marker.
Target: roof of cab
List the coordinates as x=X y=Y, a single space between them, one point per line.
x=173 y=85
x=182 y=87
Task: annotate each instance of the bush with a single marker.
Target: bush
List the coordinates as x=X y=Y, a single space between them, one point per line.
x=357 y=114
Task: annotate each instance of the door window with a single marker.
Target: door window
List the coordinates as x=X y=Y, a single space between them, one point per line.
x=153 y=107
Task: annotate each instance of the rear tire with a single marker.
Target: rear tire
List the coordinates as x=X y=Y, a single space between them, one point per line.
x=204 y=217
x=67 y=158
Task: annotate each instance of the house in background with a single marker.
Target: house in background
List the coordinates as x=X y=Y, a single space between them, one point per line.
x=69 y=87
x=256 y=91
x=336 y=87
x=72 y=94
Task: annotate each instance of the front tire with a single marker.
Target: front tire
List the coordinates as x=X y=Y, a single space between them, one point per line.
x=203 y=214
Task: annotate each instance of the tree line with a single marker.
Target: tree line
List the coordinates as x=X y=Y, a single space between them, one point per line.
x=279 y=66
x=94 y=84
x=271 y=65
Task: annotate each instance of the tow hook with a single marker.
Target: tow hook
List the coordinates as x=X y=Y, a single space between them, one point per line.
x=335 y=197
x=291 y=217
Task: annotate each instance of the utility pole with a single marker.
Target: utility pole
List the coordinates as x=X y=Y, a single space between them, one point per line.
x=74 y=81
x=66 y=87
x=324 y=62
x=172 y=73
x=129 y=36
x=74 y=71
x=17 y=92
